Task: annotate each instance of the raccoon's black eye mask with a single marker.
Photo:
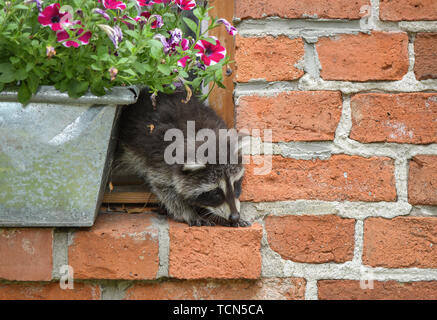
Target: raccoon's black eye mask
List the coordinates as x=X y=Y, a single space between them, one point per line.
x=212 y=198
x=237 y=188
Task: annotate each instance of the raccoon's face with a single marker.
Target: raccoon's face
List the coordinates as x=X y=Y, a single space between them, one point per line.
x=215 y=190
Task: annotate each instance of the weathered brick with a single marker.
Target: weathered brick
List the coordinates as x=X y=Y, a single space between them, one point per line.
x=339 y=178
x=425 y=47
x=269 y=58
x=49 y=291
x=364 y=57
x=422 y=180
x=293 y=115
x=214 y=252
x=382 y=290
x=312 y=239
x=402 y=242
x=407 y=10
x=339 y=9
x=26 y=254
x=401 y=118
x=118 y=246
x=263 y=289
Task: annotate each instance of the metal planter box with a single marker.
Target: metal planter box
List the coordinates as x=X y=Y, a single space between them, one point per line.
x=55 y=154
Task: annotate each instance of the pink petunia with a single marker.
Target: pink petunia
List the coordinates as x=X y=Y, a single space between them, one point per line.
x=143 y=3
x=186 y=4
x=114 y=4
x=157 y=21
x=51 y=16
x=229 y=27
x=209 y=53
x=183 y=62
x=185 y=44
x=84 y=38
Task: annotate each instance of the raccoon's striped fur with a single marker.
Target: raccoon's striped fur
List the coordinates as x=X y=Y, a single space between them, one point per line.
x=196 y=194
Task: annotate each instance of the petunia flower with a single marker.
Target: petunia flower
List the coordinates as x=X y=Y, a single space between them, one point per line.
x=173 y=41
x=175 y=37
x=103 y=13
x=209 y=53
x=51 y=16
x=229 y=27
x=186 y=4
x=157 y=21
x=114 y=4
x=185 y=44
x=113 y=73
x=143 y=3
x=183 y=62
x=50 y=52
x=38 y=4
x=83 y=38
x=115 y=34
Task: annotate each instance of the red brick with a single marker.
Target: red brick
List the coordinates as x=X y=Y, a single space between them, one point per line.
x=26 y=254
x=214 y=252
x=425 y=48
x=402 y=242
x=269 y=58
x=422 y=180
x=339 y=9
x=263 y=289
x=382 y=290
x=49 y=291
x=312 y=239
x=118 y=246
x=339 y=178
x=363 y=57
x=407 y=10
x=400 y=118
x=292 y=116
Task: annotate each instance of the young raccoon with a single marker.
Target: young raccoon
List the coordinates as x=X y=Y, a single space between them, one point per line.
x=198 y=194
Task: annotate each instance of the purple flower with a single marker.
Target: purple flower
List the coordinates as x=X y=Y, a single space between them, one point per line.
x=229 y=27
x=173 y=41
x=38 y=4
x=115 y=34
x=156 y=21
x=103 y=13
x=175 y=36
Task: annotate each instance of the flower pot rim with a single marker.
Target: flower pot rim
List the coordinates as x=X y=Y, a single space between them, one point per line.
x=49 y=94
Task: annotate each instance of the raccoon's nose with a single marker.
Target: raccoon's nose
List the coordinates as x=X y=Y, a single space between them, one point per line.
x=235 y=216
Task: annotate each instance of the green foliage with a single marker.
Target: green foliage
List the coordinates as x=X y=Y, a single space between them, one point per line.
x=31 y=54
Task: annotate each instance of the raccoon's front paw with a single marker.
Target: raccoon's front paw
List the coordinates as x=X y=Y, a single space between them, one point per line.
x=241 y=223
x=201 y=223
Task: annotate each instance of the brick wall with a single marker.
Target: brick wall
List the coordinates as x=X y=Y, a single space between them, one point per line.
x=353 y=189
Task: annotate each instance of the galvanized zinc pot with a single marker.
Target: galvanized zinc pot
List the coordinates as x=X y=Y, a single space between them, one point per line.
x=55 y=154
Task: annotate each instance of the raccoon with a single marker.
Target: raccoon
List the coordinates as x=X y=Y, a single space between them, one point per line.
x=200 y=194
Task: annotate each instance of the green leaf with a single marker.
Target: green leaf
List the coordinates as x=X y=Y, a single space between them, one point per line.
x=156 y=52
x=21 y=75
x=7 y=72
x=24 y=94
x=191 y=24
x=77 y=88
x=165 y=69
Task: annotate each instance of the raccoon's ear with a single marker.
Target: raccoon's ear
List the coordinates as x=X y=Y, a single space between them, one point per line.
x=193 y=167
